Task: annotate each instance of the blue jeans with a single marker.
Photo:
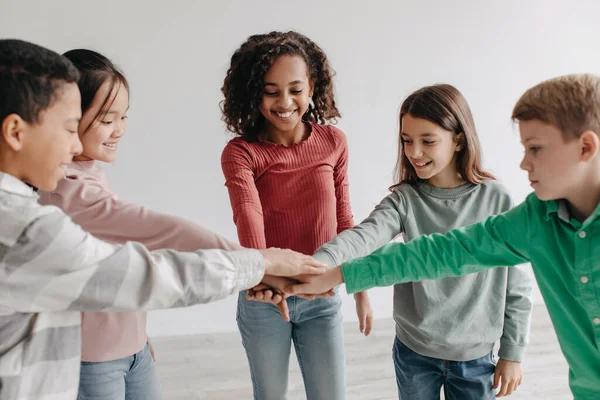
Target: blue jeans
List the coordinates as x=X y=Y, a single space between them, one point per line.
x=130 y=378
x=421 y=377
x=316 y=330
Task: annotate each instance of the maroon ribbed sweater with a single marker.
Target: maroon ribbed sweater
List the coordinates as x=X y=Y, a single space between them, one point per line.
x=292 y=197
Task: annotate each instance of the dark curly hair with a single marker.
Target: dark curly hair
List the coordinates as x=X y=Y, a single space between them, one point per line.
x=243 y=85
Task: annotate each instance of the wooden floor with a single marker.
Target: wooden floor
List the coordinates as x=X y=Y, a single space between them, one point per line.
x=214 y=367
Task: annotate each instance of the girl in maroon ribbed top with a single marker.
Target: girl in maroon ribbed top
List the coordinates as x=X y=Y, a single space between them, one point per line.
x=286 y=174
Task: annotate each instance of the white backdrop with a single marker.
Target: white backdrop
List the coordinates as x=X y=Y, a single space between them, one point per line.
x=175 y=55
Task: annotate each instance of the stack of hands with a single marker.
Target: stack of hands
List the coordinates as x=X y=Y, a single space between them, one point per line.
x=288 y=273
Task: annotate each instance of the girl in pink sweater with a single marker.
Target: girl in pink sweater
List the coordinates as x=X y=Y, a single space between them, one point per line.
x=286 y=173
x=117 y=358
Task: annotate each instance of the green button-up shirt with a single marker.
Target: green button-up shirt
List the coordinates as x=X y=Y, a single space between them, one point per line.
x=564 y=253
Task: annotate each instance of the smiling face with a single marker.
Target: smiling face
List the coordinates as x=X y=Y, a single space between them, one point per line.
x=101 y=129
x=431 y=151
x=38 y=153
x=286 y=95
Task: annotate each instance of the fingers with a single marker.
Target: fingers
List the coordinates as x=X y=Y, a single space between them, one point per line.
x=280 y=262
x=265 y=296
x=307 y=296
x=260 y=286
x=368 y=324
x=277 y=298
x=365 y=322
x=507 y=387
x=283 y=309
x=502 y=385
x=309 y=269
x=272 y=297
x=496 y=379
x=308 y=260
x=514 y=387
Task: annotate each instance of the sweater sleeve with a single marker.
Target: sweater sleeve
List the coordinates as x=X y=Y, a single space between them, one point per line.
x=55 y=265
x=236 y=162
x=106 y=216
x=501 y=240
x=342 y=191
x=382 y=225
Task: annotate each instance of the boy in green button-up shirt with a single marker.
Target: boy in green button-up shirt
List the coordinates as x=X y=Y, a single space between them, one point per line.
x=557 y=229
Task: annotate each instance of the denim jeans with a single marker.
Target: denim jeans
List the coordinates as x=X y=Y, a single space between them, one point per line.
x=130 y=378
x=317 y=333
x=421 y=377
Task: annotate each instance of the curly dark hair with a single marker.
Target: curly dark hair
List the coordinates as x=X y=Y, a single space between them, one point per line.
x=243 y=85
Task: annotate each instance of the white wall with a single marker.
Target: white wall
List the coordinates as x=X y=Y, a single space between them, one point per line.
x=176 y=54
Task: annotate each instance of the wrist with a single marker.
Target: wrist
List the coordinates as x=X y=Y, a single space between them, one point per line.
x=336 y=276
x=268 y=263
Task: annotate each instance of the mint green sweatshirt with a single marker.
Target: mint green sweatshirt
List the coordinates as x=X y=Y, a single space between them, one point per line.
x=456 y=318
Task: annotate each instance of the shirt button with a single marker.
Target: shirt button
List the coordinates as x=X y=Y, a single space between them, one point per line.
x=584 y=279
x=582 y=234
x=596 y=321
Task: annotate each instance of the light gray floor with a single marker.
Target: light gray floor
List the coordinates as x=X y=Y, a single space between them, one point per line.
x=214 y=367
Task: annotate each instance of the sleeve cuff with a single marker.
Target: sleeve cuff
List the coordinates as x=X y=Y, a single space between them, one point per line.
x=250 y=268
x=511 y=352
x=356 y=277
x=324 y=256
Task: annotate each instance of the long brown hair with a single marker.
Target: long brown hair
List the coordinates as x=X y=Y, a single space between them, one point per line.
x=446 y=107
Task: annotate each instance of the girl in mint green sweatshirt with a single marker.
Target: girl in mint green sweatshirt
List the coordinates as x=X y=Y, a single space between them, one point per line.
x=445 y=329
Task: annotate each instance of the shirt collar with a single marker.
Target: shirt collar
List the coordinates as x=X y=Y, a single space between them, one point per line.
x=10 y=184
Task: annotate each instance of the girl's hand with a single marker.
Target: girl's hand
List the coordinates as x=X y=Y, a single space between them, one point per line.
x=508 y=376
x=285 y=262
x=364 y=311
x=316 y=284
x=265 y=295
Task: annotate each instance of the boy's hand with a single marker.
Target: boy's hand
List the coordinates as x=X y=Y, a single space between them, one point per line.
x=302 y=279
x=316 y=284
x=364 y=311
x=279 y=283
x=508 y=376
x=284 y=262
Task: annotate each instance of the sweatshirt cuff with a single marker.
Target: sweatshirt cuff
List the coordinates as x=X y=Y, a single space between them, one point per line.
x=511 y=352
x=357 y=276
x=325 y=257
